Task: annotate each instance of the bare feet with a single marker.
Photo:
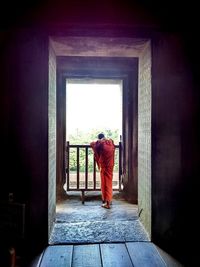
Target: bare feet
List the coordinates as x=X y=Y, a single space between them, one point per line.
x=106 y=205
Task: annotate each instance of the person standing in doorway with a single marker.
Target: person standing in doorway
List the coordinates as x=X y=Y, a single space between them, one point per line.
x=104 y=153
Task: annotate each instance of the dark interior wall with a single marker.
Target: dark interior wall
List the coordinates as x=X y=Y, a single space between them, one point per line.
x=174 y=147
x=24 y=124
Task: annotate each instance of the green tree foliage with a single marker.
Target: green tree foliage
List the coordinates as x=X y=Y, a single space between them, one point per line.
x=85 y=138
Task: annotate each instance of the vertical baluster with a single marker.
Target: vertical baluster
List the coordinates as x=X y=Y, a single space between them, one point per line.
x=67 y=170
x=86 y=168
x=94 y=174
x=120 y=167
x=77 y=167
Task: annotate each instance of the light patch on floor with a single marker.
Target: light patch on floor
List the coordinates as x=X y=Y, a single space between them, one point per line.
x=90 y=223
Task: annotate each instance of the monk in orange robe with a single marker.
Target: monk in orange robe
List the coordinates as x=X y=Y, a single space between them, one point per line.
x=104 y=152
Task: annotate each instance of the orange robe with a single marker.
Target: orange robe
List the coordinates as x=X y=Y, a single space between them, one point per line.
x=104 y=152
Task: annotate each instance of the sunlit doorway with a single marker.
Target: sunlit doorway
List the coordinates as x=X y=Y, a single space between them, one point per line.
x=127 y=63
x=92 y=106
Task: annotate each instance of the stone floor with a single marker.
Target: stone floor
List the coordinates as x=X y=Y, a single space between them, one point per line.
x=78 y=223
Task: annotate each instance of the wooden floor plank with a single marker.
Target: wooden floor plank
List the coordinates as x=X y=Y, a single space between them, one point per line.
x=144 y=254
x=57 y=256
x=115 y=255
x=86 y=256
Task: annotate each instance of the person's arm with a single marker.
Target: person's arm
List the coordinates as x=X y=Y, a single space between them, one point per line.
x=96 y=156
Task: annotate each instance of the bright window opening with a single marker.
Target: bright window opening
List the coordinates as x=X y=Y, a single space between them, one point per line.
x=93 y=106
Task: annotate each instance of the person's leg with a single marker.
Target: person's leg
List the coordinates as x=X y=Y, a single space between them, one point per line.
x=102 y=186
x=107 y=182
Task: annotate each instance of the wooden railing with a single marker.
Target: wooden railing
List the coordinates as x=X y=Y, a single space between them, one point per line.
x=79 y=177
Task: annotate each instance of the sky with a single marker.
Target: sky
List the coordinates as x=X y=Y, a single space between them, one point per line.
x=93 y=105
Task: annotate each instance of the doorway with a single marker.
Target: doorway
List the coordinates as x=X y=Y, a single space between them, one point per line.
x=132 y=64
x=92 y=106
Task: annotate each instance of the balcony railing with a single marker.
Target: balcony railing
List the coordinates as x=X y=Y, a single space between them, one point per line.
x=82 y=173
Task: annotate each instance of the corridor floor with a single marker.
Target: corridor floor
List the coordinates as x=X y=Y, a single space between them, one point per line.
x=129 y=254
x=89 y=235
x=88 y=223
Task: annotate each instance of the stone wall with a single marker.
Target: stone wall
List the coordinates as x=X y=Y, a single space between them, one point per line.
x=52 y=138
x=144 y=138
